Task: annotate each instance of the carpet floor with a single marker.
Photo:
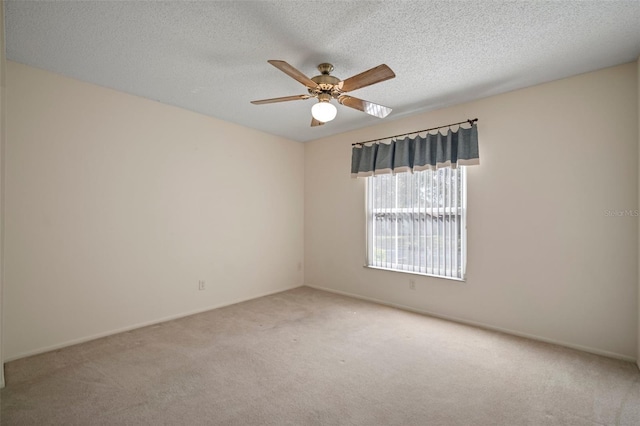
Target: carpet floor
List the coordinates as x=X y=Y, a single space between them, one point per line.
x=308 y=357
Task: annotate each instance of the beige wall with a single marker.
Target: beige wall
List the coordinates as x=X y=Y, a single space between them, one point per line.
x=638 y=106
x=117 y=206
x=2 y=135
x=544 y=259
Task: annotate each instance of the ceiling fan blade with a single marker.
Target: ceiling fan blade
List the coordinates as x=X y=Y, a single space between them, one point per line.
x=370 y=108
x=282 y=99
x=367 y=78
x=315 y=122
x=294 y=73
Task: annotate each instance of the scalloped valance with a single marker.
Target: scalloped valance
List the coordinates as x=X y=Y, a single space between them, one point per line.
x=433 y=151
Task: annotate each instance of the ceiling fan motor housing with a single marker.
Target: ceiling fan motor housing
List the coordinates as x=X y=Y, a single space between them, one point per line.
x=326 y=83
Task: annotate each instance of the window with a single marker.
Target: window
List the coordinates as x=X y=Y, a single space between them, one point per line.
x=416 y=222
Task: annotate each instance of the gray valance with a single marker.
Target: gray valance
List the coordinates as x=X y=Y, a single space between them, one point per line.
x=433 y=151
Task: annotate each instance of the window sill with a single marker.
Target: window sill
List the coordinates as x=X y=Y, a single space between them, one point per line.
x=416 y=273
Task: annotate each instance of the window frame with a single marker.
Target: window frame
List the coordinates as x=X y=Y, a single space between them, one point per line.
x=463 y=232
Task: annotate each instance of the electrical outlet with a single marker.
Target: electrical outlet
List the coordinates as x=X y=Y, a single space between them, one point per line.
x=201 y=285
x=412 y=284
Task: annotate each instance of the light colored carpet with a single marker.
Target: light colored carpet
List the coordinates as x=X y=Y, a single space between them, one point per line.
x=307 y=357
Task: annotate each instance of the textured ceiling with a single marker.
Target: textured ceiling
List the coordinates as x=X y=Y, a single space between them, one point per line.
x=211 y=56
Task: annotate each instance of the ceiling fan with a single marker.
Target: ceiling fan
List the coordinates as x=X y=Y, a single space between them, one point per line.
x=325 y=87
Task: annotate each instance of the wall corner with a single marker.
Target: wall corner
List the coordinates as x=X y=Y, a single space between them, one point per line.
x=638 y=124
x=2 y=145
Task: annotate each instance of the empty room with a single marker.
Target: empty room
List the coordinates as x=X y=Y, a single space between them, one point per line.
x=319 y=212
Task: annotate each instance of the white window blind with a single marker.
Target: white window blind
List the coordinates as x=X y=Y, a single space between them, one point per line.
x=416 y=222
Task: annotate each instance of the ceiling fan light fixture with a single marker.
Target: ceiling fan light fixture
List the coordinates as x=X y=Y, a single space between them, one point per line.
x=325 y=87
x=324 y=111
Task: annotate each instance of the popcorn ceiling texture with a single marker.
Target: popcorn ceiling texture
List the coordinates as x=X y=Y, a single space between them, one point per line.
x=211 y=57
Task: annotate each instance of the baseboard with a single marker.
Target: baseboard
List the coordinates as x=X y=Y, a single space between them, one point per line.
x=480 y=325
x=143 y=324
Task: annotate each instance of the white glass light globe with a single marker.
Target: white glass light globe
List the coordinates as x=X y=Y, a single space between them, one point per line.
x=324 y=111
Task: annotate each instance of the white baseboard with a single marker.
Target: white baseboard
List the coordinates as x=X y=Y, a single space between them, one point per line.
x=482 y=325
x=142 y=324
